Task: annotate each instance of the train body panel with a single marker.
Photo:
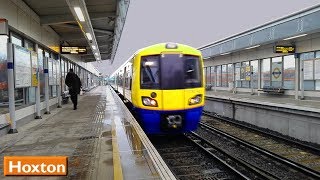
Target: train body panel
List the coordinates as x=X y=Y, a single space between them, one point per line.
x=167 y=87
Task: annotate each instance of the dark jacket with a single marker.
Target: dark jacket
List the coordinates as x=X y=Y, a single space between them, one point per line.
x=74 y=83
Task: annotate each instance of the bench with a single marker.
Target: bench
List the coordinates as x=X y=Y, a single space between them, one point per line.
x=271 y=89
x=65 y=97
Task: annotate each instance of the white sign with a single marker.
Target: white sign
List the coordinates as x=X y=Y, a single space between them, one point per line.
x=22 y=66
x=276 y=71
x=4 y=30
x=308 y=69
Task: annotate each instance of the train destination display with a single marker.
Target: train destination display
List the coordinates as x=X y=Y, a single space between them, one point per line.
x=73 y=50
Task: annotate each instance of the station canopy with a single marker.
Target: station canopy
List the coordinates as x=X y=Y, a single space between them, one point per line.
x=94 y=24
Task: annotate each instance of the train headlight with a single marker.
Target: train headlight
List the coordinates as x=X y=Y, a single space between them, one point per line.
x=195 y=100
x=149 y=101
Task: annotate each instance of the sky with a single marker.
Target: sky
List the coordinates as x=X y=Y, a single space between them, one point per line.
x=194 y=22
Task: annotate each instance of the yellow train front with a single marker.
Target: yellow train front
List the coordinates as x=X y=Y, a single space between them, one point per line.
x=166 y=83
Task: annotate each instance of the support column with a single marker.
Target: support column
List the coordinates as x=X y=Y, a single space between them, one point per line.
x=38 y=108
x=59 y=83
x=301 y=80
x=259 y=76
x=296 y=77
x=251 y=80
x=46 y=85
x=12 y=109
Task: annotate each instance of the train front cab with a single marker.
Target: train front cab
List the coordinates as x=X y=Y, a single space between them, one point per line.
x=176 y=105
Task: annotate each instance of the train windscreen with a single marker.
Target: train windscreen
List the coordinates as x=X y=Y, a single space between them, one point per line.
x=149 y=75
x=177 y=72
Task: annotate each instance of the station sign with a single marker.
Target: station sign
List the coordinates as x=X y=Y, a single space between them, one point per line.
x=73 y=50
x=284 y=49
x=4 y=28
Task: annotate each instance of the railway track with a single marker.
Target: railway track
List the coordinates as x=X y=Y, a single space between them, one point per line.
x=192 y=157
x=294 y=160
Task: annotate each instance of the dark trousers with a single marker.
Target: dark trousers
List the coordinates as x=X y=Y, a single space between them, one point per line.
x=74 y=99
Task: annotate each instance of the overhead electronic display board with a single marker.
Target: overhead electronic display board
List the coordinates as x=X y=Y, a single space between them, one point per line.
x=284 y=49
x=73 y=50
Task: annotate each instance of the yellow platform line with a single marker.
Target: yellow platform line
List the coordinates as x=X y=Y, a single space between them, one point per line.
x=117 y=169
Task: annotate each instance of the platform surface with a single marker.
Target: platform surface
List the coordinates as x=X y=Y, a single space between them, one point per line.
x=98 y=140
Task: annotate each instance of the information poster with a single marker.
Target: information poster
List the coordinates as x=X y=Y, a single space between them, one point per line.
x=242 y=73
x=22 y=66
x=54 y=72
x=248 y=73
x=317 y=69
x=34 y=60
x=276 y=71
x=308 y=70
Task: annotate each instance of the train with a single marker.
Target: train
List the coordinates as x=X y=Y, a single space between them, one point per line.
x=165 y=84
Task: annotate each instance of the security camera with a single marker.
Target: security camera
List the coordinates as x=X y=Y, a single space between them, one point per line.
x=90 y=41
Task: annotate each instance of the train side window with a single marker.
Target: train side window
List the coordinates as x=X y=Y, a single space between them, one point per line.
x=150 y=72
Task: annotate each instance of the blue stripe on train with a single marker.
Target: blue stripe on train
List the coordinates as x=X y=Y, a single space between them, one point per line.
x=150 y=120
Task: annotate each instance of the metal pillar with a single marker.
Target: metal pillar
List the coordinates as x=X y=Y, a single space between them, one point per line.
x=301 y=80
x=12 y=109
x=296 y=79
x=59 y=83
x=251 y=80
x=46 y=85
x=124 y=82
x=38 y=108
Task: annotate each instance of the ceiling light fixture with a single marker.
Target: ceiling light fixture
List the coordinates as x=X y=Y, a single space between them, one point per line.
x=79 y=13
x=293 y=37
x=252 y=47
x=94 y=47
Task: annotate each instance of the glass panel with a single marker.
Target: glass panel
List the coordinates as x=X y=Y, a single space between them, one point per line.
x=16 y=40
x=254 y=65
x=213 y=75
x=230 y=75
x=32 y=95
x=288 y=72
x=224 y=80
x=29 y=45
x=4 y=99
x=192 y=72
x=308 y=55
x=318 y=54
x=245 y=84
x=265 y=72
x=318 y=85
x=149 y=76
x=218 y=76
x=237 y=74
x=309 y=85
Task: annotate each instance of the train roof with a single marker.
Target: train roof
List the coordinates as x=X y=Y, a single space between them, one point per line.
x=161 y=47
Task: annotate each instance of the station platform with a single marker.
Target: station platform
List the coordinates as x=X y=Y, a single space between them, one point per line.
x=268 y=100
x=101 y=139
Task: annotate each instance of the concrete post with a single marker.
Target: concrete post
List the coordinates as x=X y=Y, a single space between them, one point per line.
x=59 y=83
x=12 y=109
x=251 y=79
x=296 y=79
x=301 y=80
x=38 y=108
x=259 y=76
x=46 y=84
x=215 y=78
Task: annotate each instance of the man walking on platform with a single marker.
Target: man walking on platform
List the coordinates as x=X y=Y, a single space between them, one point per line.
x=74 y=84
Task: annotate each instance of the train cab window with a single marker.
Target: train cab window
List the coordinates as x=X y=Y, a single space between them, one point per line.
x=150 y=72
x=192 y=72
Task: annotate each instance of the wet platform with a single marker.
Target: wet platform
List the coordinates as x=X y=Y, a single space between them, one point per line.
x=269 y=100
x=101 y=139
